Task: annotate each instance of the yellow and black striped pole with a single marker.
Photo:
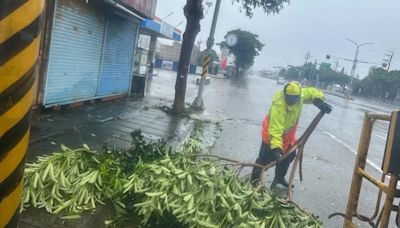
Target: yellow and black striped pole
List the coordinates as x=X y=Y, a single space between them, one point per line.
x=198 y=103
x=19 y=50
x=204 y=73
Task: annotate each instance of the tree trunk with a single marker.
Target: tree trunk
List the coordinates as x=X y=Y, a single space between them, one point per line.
x=194 y=13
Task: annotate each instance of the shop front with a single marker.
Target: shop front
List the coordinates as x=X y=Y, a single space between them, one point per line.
x=144 y=61
x=91 y=51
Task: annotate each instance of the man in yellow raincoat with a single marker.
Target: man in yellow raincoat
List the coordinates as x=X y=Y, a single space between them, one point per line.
x=279 y=127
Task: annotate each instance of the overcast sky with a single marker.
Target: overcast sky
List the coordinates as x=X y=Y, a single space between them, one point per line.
x=319 y=26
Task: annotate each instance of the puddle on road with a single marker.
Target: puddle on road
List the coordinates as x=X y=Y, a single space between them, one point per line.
x=207 y=131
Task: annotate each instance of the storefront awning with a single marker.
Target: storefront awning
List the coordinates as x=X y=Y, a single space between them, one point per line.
x=161 y=28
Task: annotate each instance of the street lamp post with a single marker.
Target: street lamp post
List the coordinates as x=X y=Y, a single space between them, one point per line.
x=353 y=68
x=198 y=102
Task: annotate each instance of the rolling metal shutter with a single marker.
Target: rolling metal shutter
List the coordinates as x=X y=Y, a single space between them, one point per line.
x=119 y=45
x=75 y=53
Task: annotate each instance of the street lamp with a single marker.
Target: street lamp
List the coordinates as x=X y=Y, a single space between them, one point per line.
x=353 y=68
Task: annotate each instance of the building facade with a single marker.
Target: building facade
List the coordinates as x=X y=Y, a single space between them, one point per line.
x=172 y=52
x=167 y=56
x=88 y=49
x=150 y=30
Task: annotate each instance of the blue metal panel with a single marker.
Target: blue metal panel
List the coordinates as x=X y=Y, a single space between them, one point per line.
x=75 y=53
x=116 y=68
x=176 y=36
x=175 y=66
x=151 y=25
x=156 y=27
x=192 y=69
x=158 y=63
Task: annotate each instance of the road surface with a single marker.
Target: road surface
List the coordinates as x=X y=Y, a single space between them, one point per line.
x=329 y=154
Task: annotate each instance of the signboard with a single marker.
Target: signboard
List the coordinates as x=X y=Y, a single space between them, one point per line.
x=162 y=28
x=143 y=42
x=199 y=69
x=166 y=29
x=325 y=66
x=142 y=69
x=145 y=7
x=167 y=65
x=223 y=63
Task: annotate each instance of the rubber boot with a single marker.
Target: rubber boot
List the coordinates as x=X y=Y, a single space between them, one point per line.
x=281 y=181
x=284 y=183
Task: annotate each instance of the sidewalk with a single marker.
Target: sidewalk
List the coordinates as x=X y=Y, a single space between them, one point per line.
x=105 y=123
x=110 y=123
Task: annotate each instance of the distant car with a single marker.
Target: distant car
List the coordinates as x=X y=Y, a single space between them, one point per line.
x=280 y=81
x=335 y=88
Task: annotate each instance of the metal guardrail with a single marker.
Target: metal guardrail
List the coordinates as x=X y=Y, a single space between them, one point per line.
x=390 y=160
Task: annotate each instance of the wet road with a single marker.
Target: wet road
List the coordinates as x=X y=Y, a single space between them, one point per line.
x=329 y=154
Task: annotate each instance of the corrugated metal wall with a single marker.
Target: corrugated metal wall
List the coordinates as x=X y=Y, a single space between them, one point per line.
x=119 y=45
x=75 y=53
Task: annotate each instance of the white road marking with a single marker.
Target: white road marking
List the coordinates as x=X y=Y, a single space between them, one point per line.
x=372 y=164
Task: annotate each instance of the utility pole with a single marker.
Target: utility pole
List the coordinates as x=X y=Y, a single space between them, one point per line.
x=388 y=61
x=306 y=57
x=336 y=64
x=353 y=68
x=313 y=71
x=198 y=103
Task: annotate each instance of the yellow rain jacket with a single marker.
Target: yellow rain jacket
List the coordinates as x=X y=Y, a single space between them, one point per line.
x=279 y=126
